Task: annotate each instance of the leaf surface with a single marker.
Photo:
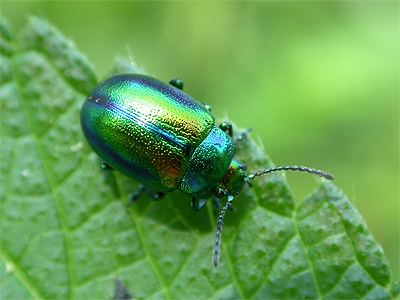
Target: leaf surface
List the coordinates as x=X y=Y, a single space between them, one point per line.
x=66 y=232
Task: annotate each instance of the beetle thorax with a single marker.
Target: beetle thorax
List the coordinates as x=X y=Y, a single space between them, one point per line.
x=208 y=164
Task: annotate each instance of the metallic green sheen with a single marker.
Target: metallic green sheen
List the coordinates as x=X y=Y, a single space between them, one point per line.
x=208 y=164
x=145 y=128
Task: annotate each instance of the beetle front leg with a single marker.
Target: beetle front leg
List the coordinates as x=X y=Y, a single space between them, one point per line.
x=227 y=128
x=178 y=83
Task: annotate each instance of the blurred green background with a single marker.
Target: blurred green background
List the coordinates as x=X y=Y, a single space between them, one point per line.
x=318 y=82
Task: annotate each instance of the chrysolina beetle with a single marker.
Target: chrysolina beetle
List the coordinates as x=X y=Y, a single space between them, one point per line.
x=155 y=133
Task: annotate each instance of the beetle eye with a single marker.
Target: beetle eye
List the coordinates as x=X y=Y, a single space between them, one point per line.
x=243 y=167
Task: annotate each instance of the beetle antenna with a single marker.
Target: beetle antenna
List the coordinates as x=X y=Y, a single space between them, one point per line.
x=218 y=232
x=320 y=173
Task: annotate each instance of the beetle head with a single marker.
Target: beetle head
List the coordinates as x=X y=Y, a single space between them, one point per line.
x=234 y=179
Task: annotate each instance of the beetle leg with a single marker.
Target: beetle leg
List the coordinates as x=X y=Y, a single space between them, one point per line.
x=227 y=128
x=248 y=181
x=206 y=106
x=198 y=204
x=136 y=195
x=106 y=166
x=157 y=196
x=178 y=83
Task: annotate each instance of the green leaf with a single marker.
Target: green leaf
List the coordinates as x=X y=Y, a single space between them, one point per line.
x=66 y=232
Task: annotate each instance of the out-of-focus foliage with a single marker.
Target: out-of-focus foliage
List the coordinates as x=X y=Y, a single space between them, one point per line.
x=317 y=81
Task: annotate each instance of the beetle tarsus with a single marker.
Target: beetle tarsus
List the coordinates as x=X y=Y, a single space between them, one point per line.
x=198 y=204
x=106 y=166
x=156 y=196
x=178 y=83
x=206 y=106
x=135 y=197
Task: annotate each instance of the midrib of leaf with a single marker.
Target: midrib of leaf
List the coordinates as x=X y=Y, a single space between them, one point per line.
x=51 y=184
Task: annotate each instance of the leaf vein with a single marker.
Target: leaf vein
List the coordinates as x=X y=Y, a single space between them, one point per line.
x=274 y=262
x=22 y=277
x=184 y=263
x=339 y=279
x=114 y=272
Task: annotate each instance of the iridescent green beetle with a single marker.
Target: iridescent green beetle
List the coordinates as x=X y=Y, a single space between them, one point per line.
x=155 y=133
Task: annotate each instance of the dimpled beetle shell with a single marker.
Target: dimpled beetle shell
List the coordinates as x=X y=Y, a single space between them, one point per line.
x=155 y=133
